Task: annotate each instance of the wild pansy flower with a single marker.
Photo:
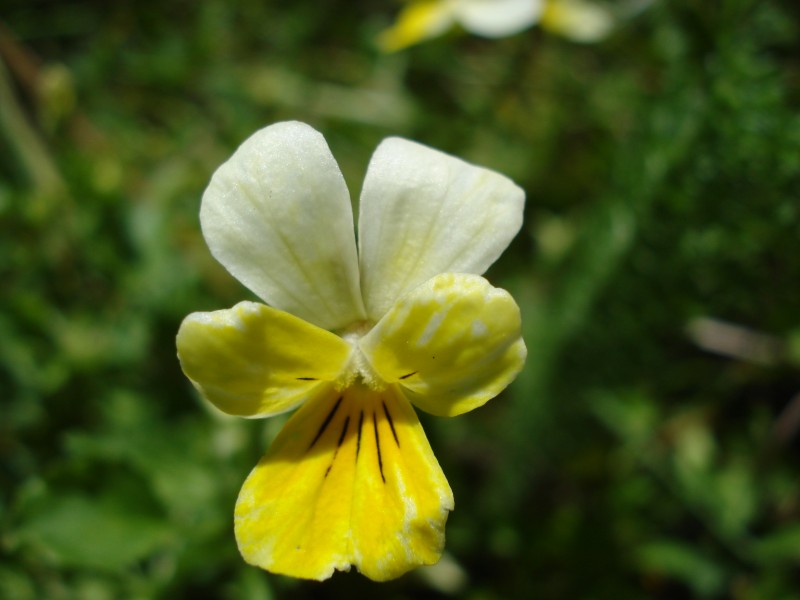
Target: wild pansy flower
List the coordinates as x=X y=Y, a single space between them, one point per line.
x=420 y=20
x=354 y=335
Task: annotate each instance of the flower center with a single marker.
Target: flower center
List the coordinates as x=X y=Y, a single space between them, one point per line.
x=359 y=368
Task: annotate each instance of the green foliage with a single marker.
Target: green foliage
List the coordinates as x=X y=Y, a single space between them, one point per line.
x=643 y=452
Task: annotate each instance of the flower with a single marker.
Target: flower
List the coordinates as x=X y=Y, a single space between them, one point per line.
x=354 y=337
x=420 y=20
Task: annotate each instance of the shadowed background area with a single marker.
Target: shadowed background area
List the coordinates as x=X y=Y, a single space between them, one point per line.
x=650 y=447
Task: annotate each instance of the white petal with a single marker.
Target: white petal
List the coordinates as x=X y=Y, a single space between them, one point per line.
x=498 y=18
x=277 y=215
x=424 y=212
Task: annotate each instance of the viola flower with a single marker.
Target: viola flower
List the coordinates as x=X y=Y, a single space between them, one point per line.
x=420 y=20
x=354 y=336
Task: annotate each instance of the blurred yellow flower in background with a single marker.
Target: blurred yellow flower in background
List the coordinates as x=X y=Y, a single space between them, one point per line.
x=420 y=20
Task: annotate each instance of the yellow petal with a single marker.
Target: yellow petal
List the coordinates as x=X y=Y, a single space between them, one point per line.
x=255 y=361
x=577 y=20
x=350 y=480
x=452 y=344
x=418 y=21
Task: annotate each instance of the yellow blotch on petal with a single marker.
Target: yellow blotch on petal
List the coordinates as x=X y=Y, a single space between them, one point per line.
x=254 y=361
x=350 y=480
x=451 y=344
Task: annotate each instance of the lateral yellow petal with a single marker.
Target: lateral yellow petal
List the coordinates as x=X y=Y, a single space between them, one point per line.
x=452 y=344
x=578 y=20
x=350 y=480
x=255 y=361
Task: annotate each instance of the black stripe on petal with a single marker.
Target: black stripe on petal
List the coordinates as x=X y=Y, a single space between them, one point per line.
x=326 y=422
x=391 y=423
x=378 y=446
x=358 y=440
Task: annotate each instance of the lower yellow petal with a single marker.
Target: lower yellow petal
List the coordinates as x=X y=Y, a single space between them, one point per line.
x=350 y=480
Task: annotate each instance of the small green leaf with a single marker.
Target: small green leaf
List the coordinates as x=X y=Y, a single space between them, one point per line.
x=780 y=546
x=685 y=564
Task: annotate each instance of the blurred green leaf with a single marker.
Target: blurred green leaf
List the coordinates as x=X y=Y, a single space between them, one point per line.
x=76 y=531
x=686 y=564
x=781 y=546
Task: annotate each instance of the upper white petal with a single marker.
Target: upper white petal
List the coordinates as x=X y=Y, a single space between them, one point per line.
x=424 y=212
x=497 y=18
x=278 y=216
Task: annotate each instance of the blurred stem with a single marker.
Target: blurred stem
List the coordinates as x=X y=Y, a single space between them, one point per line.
x=25 y=142
x=641 y=170
x=24 y=65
